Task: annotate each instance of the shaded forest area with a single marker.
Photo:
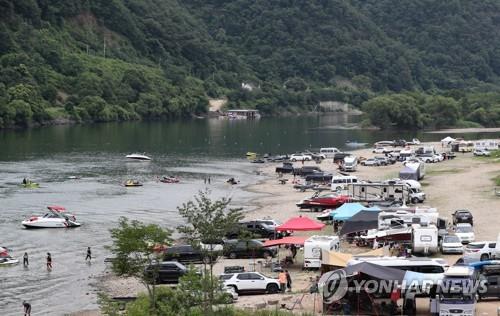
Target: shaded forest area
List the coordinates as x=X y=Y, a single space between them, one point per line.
x=407 y=64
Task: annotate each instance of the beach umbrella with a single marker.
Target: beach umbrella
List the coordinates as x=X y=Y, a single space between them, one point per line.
x=300 y=223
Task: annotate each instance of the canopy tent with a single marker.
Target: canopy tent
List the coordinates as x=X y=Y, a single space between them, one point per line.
x=348 y=210
x=300 y=223
x=363 y=220
x=289 y=240
x=447 y=139
x=408 y=174
x=340 y=259
x=366 y=268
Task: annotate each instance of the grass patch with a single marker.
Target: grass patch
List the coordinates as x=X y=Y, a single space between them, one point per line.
x=497 y=180
x=443 y=171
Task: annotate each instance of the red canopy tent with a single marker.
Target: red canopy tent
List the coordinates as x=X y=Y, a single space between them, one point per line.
x=300 y=223
x=290 y=240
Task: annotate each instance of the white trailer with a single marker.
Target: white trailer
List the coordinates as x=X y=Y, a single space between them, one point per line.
x=313 y=247
x=424 y=239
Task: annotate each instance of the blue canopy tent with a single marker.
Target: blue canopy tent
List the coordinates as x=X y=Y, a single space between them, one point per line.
x=348 y=210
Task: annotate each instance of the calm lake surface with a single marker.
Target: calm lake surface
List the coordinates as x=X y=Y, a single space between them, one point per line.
x=191 y=150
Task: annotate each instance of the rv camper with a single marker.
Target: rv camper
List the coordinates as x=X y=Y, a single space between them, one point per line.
x=313 y=247
x=350 y=163
x=424 y=238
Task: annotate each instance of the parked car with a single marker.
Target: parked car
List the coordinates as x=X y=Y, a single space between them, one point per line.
x=481 y=250
x=188 y=254
x=462 y=216
x=250 y=282
x=271 y=224
x=370 y=162
x=306 y=170
x=489 y=276
x=319 y=177
x=165 y=272
x=382 y=160
x=427 y=158
x=465 y=232
x=481 y=152
x=399 y=143
x=247 y=249
x=451 y=244
x=300 y=157
x=255 y=228
x=287 y=167
x=381 y=150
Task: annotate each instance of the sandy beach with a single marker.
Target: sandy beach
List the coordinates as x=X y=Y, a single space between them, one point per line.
x=462 y=183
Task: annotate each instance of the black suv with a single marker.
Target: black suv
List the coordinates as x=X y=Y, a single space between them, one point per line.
x=247 y=249
x=165 y=272
x=462 y=216
x=187 y=254
x=256 y=229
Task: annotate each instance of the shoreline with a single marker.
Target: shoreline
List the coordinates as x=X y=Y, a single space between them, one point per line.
x=466 y=130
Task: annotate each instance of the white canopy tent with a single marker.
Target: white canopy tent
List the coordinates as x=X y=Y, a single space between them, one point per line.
x=447 y=140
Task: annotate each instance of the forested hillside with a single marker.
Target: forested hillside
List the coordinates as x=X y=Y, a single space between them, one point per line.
x=406 y=63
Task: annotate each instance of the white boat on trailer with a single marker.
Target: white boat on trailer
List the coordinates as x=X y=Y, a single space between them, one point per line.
x=56 y=217
x=138 y=157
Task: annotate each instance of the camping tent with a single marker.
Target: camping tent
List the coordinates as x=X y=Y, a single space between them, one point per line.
x=369 y=269
x=364 y=220
x=289 y=240
x=408 y=174
x=348 y=210
x=340 y=259
x=300 y=223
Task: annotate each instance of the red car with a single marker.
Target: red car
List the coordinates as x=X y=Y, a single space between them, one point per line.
x=318 y=202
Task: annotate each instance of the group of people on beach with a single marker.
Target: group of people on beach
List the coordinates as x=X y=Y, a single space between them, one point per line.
x=26 y=305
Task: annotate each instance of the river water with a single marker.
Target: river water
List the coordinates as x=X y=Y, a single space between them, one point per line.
x=191 y=150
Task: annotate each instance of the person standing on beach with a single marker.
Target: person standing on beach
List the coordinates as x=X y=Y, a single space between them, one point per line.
x=49 y=261
x=27 y=308
x=288 y=281
x=25 y=260
x=282 y=280
x=89 y=254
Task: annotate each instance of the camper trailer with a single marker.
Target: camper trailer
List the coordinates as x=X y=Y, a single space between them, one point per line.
x=313 y=247
x=487 y=144
x=424 y=238
x=350 y=163
x=401 y=218
x=417 y=166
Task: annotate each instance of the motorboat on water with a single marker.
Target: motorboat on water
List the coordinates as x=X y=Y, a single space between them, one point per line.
x=170 y=180
x=355 y=144
x=56 y=217
x=138 y=157
x=7 y=261
x=132 y=183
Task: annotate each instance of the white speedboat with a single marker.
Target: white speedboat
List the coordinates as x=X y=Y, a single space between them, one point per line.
x=56 y=217
x=138 y=157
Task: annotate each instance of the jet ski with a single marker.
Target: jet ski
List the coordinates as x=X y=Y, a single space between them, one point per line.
x=8 y=260
x=56 y=217
x=169 y=180
x=138 y=157
x=132 y=183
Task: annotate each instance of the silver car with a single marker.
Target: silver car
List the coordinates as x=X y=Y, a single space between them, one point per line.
x=451 y=244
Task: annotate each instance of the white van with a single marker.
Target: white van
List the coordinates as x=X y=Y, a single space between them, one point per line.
x=350 y=163
x=340 y=182
x=329 y=152
x=314 y=246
